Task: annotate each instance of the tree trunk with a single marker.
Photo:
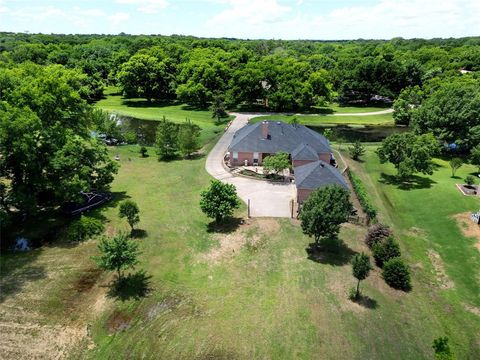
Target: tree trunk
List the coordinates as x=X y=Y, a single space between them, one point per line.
x=358 y=288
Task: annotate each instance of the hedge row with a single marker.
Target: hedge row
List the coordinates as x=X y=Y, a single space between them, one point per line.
x=362 y=195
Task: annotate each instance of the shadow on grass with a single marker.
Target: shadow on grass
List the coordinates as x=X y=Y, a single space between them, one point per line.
x=139 y=234
x=228 y=226
x=330 y=251
x=413 y=182
x=146 y=104
x=366 y=301
x=133 y=286
x=18 y=272
x=195 y=156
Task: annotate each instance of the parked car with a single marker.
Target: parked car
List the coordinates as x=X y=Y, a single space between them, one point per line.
x=92 y=200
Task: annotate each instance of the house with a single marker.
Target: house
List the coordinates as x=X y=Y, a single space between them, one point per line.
x=310 y=153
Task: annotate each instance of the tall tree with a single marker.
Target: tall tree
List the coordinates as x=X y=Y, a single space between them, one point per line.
x=324 y=211
x=276 y=163
x=219 y=200
x=166 y=139
x=188 y=138
x=409 y=153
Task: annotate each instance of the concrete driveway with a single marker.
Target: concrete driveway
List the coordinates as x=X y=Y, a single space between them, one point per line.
x=266 y=199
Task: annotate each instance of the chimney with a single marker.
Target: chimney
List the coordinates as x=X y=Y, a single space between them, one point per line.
x=265 y=130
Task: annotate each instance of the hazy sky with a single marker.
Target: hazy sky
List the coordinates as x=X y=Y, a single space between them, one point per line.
x=272 y=19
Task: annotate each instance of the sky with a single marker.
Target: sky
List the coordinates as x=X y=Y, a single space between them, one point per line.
x=247 y=19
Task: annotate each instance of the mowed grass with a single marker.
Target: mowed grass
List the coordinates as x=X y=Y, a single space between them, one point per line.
x=155 y=111
x=262 y=299
x=422 y=214
x=319 y=120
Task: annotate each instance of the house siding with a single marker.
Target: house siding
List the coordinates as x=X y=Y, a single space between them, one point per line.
x=301 y=162
x=303 y=194
x=325 y=157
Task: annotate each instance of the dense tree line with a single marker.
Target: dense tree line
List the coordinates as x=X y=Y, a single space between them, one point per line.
x=285 y=75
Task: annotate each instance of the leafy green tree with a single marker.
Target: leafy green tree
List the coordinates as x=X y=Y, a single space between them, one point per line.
x=409 y=99
x=328 y=133
x=276 y=163
x=117 y=254
x=475 y=156
x=451 y=112
x=324 y=211
x=356 y=150
x=219 y=200
x=360 y=268
x=188 y=138
x=409 y=153
x=166 y=139
x=397 y=274
x=385 y=250
x=442 y=349
x=129 y=209
x=455 y=164
x=294 y=121
x=469 y=180
x=218 y=108
x=145 y=76
x=45 y=142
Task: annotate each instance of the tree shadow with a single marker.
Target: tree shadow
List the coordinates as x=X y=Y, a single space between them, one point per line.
x=366 y=301
x=139 y=234
x=195 y=156
x=412 y=183
x=117 y=197
x=145 y=103
x=133 y=286
x=331 y=252
x=191 y=107
x=226 y=227
x=455 y=177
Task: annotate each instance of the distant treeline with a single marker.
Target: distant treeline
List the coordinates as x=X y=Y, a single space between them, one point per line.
x=283 y=75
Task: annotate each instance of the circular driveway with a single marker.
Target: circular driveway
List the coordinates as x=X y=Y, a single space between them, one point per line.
x=266 y=199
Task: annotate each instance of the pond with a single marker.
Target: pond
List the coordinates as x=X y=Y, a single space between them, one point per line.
x=363 y=133
x=145 y=130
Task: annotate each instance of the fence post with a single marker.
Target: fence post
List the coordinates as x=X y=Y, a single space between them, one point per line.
x=291 y=208
x=248 y=209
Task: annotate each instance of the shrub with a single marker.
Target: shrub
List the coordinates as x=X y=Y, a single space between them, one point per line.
x=362 y=196
x=84 y=228
x=377 y=233
x=356 y=150
x=143 y=151
x=397 y=274
x=385 y=250
x=469 y=180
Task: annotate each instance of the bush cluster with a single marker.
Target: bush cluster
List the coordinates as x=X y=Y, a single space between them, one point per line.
x=362 y=196
x=397 y=274
x=385 y=250
x=376 y=233
x=84 y=228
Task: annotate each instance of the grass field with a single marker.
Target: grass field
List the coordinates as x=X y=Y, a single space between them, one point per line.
x=248 y=291
x=318 y=120
x=141 y=109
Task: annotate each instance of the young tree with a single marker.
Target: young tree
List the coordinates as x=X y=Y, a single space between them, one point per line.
x=360 y=268
x=276 y=163
x=328 y=133
x=294 y=121
x=455 y=164
x=356 y=150
x=117 y=254
x=442 y=349
x=188 y=138
x=397 y=274
x=324 y=211
x=166 y=139
x=218 y=108
x=143 y=151
x=129 y=209
x=219 y=200
x=409 y=153
x=469 y=180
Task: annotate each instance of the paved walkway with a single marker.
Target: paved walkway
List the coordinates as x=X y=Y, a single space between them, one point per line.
x=266 y=199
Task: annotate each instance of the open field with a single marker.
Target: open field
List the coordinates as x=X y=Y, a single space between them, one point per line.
x=173 y=111
x=246 y=291
x=319 y=120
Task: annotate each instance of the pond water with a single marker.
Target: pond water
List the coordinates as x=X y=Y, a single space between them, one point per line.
x=145 y=130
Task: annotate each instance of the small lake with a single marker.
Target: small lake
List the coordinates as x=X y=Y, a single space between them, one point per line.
x=145 y=130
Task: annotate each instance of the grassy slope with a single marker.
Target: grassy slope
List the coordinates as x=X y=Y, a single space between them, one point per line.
x=141 y=109
x=317 y=120
x=422 y=217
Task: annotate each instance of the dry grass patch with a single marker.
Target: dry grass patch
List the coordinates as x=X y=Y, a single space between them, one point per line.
x=442 y=277
x=468 y=227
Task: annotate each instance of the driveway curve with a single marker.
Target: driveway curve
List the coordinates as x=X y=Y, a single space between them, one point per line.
x=266 y=199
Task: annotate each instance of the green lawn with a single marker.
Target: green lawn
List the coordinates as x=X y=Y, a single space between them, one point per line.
x=336 y=108
x=251 y=292
x=318 y=120
x=141 y=109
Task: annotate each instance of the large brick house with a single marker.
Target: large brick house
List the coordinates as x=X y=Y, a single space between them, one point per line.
x=310 y=153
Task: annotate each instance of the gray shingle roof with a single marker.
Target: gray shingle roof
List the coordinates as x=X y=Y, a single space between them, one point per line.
x=304 y=152
x=282 y=137
x=317 y=174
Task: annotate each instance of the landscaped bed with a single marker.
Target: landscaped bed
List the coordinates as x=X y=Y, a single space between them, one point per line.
x=261 y=176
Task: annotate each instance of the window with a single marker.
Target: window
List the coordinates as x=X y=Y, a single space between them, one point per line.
x=235 y=155
x=255 y=156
